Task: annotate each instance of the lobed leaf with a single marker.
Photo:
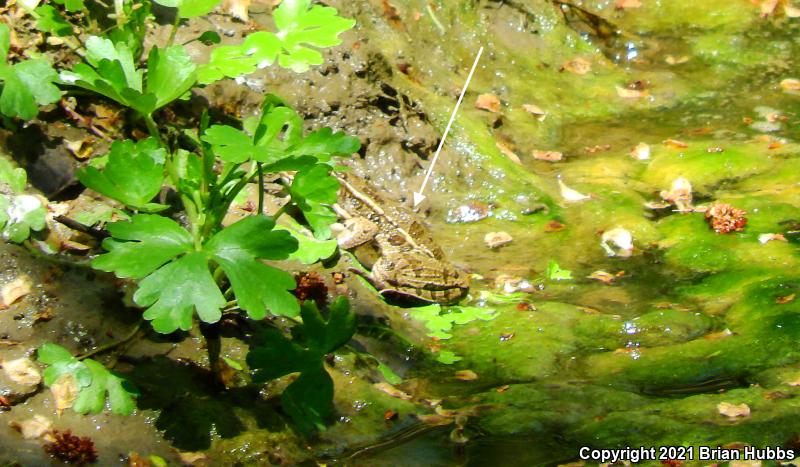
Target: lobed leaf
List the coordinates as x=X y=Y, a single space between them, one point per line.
x=93 y=380
x=257 y=287
x=51 y=21
x=26 y=85
x=133 y=174
x=313 y=191
x=176 y=290
x=171 y=73
x=140 y=246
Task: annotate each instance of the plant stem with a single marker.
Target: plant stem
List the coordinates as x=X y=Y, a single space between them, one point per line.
x=174 y=30
x=152 y=128
x=260 y=188
x=111 y=345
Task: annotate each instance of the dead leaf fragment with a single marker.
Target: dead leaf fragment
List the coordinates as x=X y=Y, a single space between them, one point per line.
x=551 y=156
x=33 y=428
x=768 y=237
x=631 y=93
x=733 y=410
x=488 y=102
x=466 y=375
x=641 y=152
x=497 y=239
x=605 y=277
x=790 y=84
x=785 y=299
x=718 y=335
x=570 y=194
x=791 y=11
x=15 y=290
x=392 y=391
x=237 y=9
x=512 y=156
x=534 y=110
x=670 y=60
x=579 y=66
x=22 y=371
x=622 y=4
x=192 y=458
x=65 y=391
x=554 y=226
x=767 y=7
x=675 y=144
x=510 y=284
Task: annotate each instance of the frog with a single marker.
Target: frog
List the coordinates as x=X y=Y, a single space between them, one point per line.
x=405 y=264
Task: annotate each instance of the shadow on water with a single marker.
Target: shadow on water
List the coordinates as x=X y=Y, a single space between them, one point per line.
x=193 y=408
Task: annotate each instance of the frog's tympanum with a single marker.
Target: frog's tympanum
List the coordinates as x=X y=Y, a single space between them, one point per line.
x=406 y=265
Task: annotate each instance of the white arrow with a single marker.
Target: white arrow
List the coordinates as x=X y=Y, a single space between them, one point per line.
x=418 y=196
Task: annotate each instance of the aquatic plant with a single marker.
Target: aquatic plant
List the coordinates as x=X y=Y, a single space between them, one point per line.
x=196 y=269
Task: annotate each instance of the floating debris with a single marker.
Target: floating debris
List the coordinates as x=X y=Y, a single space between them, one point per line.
x=733 y=410
x=22 y=371
x=497 y=239
x=472 y=211
x=785 y=299
x=71 y=449
x=620 y=238
x=671 y=60
x=488 y=102
x=790 y=84
x=65 y=391
x=392 y=391
x=579 y=66
x=310 y=286
x=628 y=93
x=571 y=195
x=605 y=277
x=554 y=226
x=466 y=375
x=724 y=218
x=768 y=237
x=550 y=156
x=508 y=152
x=14 y=290
x=641 y=152
x=33 y=428
x=510 y=284
x=675 y=143
x=680 y=194
x=623 y=4
x=535 y=111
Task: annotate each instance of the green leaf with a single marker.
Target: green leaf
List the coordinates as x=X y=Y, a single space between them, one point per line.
x=313 y=191
x=447 y=357
x=257 y=287
x=324 y=143
x=71 y=5
x=110 y=70
x=302 y=30
x=94 y=381
x=133 y=174
x=190 y=171
x=22 y=214
x=226 y=61
x=26 y=85
x=174 y=291
x=59 y=362
x=190 y=8
x=230 y=144
x=309 y=250
x=555 y=273
x=388 y=374
x=440 y=321
x=139 y=246
x=170 y=73
x=92 y=398
x=302 y=26
x=12 y=179
x=51 y=21
x=210 y=38
x=309 y=399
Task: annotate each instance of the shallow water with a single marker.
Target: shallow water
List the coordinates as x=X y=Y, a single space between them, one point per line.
x=691 y=319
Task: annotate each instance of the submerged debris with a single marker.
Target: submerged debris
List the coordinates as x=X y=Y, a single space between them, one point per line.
x=551 y=156
x=488 y=102
x=621 y=239
x=33 y=428
x=680 y=194
x=724 y=218
x=72 y=449
x=310 y=286
x=497 y=239
x=22 y=371
x=733 y=410
x=14 y=290
x=570 y=194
